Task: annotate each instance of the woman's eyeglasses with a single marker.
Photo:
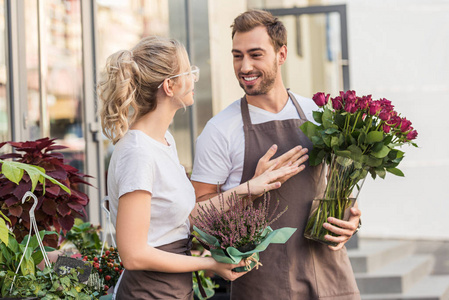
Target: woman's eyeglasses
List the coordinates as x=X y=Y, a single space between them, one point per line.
x=194 y=71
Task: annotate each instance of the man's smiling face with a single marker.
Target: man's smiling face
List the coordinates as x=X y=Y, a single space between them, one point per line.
x=255 y=61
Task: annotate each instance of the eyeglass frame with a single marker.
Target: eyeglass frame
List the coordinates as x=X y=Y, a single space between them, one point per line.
x=193 y=69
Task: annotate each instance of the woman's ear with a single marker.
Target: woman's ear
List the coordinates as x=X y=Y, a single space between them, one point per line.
x=167 y=88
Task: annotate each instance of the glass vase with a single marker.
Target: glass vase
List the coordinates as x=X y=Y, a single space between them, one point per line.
x=344 y=179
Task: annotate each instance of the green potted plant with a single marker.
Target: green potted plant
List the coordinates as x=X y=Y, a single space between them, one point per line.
x=18 y=260
x=58 y=205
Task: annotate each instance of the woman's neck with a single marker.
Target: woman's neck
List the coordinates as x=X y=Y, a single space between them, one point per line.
x=155 y=123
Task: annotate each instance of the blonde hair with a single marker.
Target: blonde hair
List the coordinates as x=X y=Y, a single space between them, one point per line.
x=129 y=82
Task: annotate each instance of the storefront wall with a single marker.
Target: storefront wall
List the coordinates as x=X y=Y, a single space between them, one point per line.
x=52 y=51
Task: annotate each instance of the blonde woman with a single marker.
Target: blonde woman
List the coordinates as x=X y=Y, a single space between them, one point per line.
x=151 y=196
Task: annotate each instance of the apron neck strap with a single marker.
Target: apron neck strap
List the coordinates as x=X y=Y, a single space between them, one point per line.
x=245 y=110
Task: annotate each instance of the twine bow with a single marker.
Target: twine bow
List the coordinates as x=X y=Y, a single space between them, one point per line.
x=251 y=259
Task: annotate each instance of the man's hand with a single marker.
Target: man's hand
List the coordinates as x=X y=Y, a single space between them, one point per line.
x=345 y=229
x=295 y=157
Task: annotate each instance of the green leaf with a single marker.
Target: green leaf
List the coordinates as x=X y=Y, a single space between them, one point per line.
x=331 y=130
x=381 y=172
x=395 y=171
x=344 y=153
x=361 y=138
x=377 y=147
x=27 y=266
x=30 y=169
x=327 y=139
x=12 y=172
x=318 y=116
x=34 y=176
x=356 y=152
x=334 y=142
x=374 y=136
x=4 y=232
x=388 y=139
x=309 y=129
x=382 y=153
x=327 y=118
x=343 y=161
x=371 y=161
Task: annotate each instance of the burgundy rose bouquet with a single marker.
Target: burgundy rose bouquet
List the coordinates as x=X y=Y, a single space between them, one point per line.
x=240 y=232
x=354 y=136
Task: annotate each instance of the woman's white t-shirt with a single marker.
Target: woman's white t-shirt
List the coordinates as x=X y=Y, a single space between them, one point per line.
x=142 y=163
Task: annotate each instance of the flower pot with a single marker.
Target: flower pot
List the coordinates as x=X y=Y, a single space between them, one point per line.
x=251 y=261
x=345 y=178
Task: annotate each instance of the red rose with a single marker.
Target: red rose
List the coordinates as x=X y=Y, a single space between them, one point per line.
x=337 y=103
x=412 y=135
x=350 y=105
x=321 y=99
x=364 y=102
x=384 y=116
x=395 y=121
x=386 y=128
x=405 y=125
x=374 y=107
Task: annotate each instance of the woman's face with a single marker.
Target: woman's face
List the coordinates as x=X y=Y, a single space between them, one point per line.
x=185 y=85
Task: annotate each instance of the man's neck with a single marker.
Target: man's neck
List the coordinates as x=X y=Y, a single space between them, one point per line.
x=274 y=101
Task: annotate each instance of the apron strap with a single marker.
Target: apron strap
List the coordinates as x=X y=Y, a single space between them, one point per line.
x=298 y=107
x=245 y=110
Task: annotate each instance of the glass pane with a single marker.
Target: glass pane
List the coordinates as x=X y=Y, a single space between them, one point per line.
x=62 y=46
x=54 y=74
x=32 y=64
x=121 y=24
x=5 y=133
x=314 y=58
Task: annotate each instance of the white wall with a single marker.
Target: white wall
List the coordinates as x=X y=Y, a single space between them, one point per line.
x=400 y=50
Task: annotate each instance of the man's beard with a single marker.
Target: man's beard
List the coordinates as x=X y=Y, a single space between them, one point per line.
x=265 y=85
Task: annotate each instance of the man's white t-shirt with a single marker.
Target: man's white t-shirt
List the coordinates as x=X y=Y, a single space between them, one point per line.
x=142 y=163
x=220 y=149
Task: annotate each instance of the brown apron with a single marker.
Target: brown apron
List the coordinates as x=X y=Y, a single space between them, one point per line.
x=158 y=285
x=300 y=269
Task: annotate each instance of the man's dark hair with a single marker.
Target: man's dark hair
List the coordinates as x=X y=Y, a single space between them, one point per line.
x=249 y=20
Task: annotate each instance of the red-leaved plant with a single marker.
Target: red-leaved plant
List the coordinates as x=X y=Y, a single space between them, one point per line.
x=56 y=209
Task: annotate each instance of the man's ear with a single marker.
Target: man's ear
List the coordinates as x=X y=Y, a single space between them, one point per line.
x=167 y=88
x=282 y=54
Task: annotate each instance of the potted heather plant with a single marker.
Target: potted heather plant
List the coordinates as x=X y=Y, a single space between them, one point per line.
x=241 y=232
x=58 y=204
x=354 y=136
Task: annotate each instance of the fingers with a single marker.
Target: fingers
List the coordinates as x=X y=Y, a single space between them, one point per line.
x=356 y=212
x=269 y=154
x=344 y=229
x=336 y=248
x=300 y=157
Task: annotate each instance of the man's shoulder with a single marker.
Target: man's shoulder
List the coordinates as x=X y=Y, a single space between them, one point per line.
x=307 y=104
x=228 y=117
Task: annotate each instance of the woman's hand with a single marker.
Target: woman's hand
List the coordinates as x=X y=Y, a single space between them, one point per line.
x=225 y=270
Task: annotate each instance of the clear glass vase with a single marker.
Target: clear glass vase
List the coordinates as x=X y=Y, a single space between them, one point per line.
x=344 y=179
